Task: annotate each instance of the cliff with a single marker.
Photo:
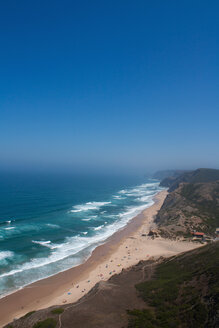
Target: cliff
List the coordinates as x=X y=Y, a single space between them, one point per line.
x=192 y=204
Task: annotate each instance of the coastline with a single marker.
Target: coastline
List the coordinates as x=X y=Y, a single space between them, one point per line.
x=123 y=249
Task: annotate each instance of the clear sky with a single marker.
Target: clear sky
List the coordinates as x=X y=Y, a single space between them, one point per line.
x=109 y=84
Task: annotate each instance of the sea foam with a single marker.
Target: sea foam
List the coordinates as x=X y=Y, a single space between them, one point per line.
x=51 y=225
x=89 y=206
x=5 y=254
x=98 y=228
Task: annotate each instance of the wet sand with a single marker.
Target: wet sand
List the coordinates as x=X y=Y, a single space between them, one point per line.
x=124 y=249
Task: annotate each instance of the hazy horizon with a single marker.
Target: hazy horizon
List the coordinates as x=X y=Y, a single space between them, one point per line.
x=118 y=87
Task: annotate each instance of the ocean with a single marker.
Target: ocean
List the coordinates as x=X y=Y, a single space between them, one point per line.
x=49 y=223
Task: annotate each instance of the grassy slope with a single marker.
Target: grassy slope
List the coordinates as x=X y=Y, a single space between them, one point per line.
x=207 y=207
x=184 y=292
x=192 y=206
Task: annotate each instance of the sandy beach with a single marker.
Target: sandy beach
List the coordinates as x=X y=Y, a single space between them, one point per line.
x=124 y=249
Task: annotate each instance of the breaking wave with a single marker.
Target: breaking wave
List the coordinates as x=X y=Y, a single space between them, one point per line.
x=89 y=206
x=6 y=254
x=98 y=228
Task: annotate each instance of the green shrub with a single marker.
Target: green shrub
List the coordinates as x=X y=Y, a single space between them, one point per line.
x=48 y=323
x=57 y=311
x=141 y=319
x=28 y=314
x=174 y=294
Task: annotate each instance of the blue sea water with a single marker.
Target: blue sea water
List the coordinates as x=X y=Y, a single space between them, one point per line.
x=49 y=223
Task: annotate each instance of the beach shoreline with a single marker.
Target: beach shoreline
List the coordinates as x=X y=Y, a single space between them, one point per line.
x=123 y=249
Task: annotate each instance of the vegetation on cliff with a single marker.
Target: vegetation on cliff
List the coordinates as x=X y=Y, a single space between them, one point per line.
x=192 y=204
x=184 y=292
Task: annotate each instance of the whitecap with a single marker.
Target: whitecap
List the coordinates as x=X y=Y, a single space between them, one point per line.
x=118 y=197
x=89 y=206
x=98 y=228
x=42 y=243
x=5 y=254
x=51 y=225
x=75 y=211
x=123 y=191
x=7 y=222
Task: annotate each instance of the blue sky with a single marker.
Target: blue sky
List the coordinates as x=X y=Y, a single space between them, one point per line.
x=109 y=84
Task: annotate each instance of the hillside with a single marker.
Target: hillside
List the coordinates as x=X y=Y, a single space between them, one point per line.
x=197 y=176
x=181 y=292
x=160 y=175
x=192 y=204
x=184 y=292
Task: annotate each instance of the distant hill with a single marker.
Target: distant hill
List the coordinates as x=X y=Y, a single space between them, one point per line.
x=197 y=176
x=160 y=175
